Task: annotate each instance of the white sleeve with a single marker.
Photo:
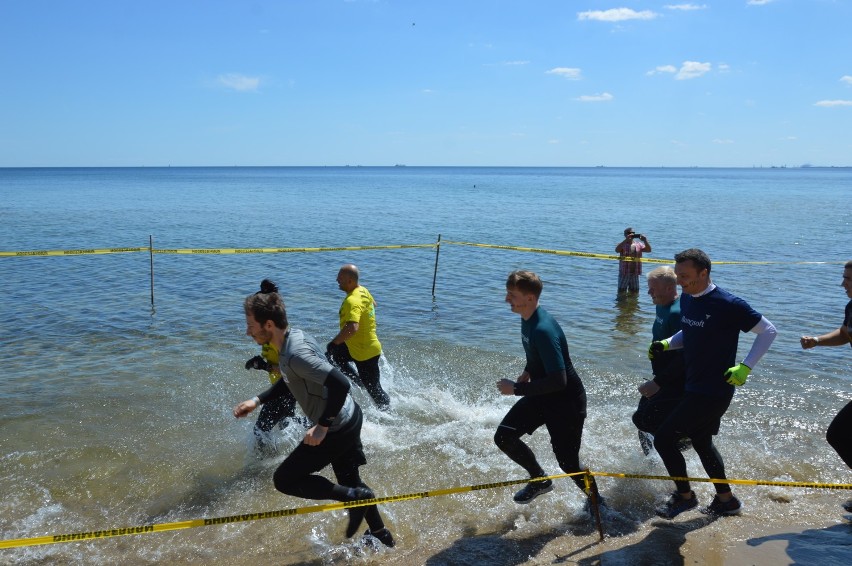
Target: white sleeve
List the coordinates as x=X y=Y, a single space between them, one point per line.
x=676 y=341
x=766 y=333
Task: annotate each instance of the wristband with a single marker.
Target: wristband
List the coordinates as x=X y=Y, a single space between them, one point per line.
x=816 y=340
x=326 y=421
x=256 y=400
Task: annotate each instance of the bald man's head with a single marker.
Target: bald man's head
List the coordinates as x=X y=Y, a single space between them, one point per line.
x=347 y=277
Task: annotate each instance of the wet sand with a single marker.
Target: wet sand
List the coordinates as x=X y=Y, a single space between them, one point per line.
x=694 y=540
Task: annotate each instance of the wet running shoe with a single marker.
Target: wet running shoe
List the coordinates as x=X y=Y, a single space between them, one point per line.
x=684 y=444
x=719 y=507
x=384 y=536
x=677 y=505
x=356 y=514
x=646 y=441
x=533 y=490
x=602 y=504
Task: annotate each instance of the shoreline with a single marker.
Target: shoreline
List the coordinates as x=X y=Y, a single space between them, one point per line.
x=700 y=541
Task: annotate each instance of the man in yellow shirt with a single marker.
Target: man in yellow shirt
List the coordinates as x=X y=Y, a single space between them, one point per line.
x=357 y=341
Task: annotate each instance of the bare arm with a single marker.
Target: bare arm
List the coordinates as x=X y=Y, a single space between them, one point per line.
x=837 y=337
x=348 y=331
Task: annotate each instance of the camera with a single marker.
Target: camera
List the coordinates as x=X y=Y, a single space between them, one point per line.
x=635 y=236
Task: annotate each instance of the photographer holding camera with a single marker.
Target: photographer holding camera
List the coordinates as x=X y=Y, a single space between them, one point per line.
x=630 y=260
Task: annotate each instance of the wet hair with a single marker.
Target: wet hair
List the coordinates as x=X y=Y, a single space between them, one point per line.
x=526 y=282
x=700 y=259
x=267 y=304
x=268 y=286
x=848 y=265
x=663 y=273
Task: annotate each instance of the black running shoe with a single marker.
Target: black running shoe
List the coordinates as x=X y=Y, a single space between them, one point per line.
x=383 y=535
x=847 y=506
x=677 y=505
x=533 y=490
x=719 y=507
x=646 y=441
x=356 y=514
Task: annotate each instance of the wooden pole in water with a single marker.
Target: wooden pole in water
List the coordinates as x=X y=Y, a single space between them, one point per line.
x=594 y=496
x=435 y=275
x=151 y=252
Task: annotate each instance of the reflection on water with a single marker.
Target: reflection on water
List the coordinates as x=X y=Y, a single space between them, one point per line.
x=626 y=320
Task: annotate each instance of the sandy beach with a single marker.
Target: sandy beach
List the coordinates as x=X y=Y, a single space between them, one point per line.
x=696 y=540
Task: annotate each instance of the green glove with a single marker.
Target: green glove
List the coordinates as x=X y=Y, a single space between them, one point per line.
x=738 y=374
x=657 y=347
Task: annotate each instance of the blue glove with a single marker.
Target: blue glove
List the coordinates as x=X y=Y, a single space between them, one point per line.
x=738 y=374
x=657 y=347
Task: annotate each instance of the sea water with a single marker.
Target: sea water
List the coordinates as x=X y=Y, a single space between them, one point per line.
x=118 y=412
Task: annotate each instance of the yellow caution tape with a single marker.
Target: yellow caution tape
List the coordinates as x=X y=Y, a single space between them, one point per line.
x=229 y=519
x=619 y=258
x=230 y=251
x=729 y=481
x=225 y=251
x=72 y=252
x=205 y=522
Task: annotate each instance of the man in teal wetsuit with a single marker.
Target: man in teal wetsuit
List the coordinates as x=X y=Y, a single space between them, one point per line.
x=550 y=389
x=661 y=394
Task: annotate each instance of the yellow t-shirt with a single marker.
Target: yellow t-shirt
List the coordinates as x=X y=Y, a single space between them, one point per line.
x=359 y=306
x=270 y=354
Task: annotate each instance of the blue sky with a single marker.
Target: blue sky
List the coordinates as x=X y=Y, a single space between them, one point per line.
x=425 y=82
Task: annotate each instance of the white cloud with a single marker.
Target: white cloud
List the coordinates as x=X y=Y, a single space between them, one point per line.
x=603 y=97
x=723 y=67
x=692 y=69
x=662 y=69
x=832 y=103
x=789 y=138
x=239 y=82
x=723 y=142
x=846 y=79
x=513 y=63
x=567 y=72
x=686 y=7
x=759 y=2
x=616 y=15
x=553 y=142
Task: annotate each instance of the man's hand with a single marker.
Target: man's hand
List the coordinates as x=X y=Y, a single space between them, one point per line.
x=657 y=347
x=506 y=386
x=738 y=374
x=649 y=388
x=808 y=342
x=245 y=408
x=315 y=435
x=257 y=362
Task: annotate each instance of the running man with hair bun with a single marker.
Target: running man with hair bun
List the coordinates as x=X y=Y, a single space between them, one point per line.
x=322 y=392
x=280 y=409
